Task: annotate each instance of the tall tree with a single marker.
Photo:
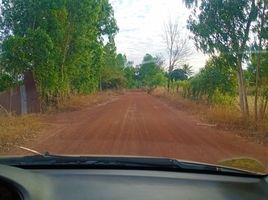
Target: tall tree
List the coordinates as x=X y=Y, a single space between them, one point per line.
x=224 y=26
x=177 y=46
x=259 y=65
x=259 y=54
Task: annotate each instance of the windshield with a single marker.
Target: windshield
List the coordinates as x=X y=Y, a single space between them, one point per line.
x=180 y=79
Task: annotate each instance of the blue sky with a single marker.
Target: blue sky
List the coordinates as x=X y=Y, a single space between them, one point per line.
x=141 y=28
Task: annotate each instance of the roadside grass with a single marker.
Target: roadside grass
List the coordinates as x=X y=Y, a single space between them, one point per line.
x=178 y=101
x=223 y=117
x=15 y=130
x=248 y=164
x=78 y=102
x=227 y=117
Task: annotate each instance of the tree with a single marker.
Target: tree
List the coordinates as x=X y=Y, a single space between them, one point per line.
x=150 y=73
x=187 y=69
x=177 y=46
x=259 y=64
x=178 y=74
x=112 y=74
x=224 y=26
x=61 y=42
x=261 y=42
x=216 y=77
x=131 y=74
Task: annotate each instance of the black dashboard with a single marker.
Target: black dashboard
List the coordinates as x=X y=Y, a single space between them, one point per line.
x=117 y=184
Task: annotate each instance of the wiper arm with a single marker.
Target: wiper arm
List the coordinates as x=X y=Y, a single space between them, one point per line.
x=30 y=150
x=212 y=168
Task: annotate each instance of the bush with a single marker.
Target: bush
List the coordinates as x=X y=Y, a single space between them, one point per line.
x=222 y=99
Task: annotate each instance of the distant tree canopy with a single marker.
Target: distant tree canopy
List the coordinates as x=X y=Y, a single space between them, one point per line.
x=131 y=74
x=151 y=73
x=178 y=74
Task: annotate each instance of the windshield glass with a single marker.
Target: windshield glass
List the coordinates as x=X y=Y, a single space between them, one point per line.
x=182 y=79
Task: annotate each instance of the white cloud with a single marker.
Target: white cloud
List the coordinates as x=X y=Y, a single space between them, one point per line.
x=141 y=27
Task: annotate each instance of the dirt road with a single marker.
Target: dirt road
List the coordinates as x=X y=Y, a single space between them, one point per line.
x=138 y=124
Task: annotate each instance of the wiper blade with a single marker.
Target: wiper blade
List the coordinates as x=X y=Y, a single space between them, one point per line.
x=88 y=162
x=79 y=161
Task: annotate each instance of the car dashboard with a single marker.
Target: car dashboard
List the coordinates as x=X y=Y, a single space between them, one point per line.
x=117 y=184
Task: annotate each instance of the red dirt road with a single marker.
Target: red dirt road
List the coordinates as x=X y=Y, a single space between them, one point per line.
x=139 y=124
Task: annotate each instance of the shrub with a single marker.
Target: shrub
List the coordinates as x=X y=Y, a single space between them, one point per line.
x=222 y=99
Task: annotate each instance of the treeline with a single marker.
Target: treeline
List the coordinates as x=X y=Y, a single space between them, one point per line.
x=151 y=73
x=68 y=45
x=216 y=84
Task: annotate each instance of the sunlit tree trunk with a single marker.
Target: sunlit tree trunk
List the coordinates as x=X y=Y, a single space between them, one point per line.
x=258 y=64
x=256 y=114
x=242 y=91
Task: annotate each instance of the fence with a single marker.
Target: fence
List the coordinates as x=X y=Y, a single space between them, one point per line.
x=23 y=99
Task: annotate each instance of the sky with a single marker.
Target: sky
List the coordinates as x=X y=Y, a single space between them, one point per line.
x=141 y=24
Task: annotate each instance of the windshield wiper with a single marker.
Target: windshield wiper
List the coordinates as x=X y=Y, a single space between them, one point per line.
x=48 y=161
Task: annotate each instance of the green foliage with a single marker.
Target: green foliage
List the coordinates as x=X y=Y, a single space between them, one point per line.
x=150 y=73
x=216 y=78
x=131 y=76
x=158 y=79
x=262 y=61
x=221 y=99
x=262 y=58
x=6 y=81
x=61 y=41
x=186 y=87
x=112 y=74
x=223 y=26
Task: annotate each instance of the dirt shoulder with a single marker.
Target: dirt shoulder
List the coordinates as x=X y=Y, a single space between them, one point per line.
x=26 y=129
x=221 y=118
